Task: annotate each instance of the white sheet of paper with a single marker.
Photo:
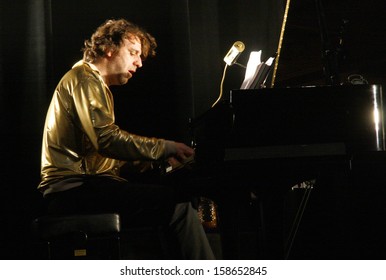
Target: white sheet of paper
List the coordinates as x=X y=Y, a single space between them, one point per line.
x=252 y=68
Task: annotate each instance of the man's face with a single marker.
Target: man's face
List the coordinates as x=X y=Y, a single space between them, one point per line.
x=124 y=63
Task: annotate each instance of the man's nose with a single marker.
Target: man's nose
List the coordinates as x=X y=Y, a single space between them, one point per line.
x=138 y=62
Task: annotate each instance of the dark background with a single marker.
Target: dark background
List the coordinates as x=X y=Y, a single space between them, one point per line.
x=41 y=39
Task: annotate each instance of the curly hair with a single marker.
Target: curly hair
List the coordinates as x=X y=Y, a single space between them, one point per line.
x=110 y=35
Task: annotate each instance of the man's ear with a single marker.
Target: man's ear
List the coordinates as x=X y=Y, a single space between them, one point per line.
x=109 y=54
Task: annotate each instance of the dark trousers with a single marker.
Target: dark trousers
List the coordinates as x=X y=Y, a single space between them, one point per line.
x=138 y=205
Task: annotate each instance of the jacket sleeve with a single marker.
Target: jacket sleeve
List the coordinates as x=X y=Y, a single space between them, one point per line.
x=95 y=109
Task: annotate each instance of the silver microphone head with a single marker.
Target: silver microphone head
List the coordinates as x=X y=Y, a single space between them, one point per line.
x=235 y=51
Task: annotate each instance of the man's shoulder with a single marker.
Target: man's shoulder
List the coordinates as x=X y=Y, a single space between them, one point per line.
x=78 y=75
x=82 y=67
x=81 y=71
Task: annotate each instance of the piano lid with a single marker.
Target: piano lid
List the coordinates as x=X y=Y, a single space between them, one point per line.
x=294 y=122
x=352 y=32
x=348 y=114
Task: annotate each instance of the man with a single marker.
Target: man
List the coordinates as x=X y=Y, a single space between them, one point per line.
x=83 y=149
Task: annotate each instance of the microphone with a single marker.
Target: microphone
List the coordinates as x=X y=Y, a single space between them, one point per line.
x=234 y=52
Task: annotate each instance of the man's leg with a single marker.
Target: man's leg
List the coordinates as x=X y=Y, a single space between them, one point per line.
x=190 y=234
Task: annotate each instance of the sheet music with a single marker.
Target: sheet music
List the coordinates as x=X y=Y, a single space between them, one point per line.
x=257 y=71
x=253 y=66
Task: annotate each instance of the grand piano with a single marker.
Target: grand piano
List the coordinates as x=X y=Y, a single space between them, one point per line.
x=264 y=142
x=299 y=165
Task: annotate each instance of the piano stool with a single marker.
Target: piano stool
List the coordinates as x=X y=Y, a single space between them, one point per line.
x=93 y=236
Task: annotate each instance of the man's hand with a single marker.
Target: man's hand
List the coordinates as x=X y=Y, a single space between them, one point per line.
x=181 y=154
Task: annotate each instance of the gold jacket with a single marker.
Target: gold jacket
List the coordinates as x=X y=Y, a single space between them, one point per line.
x=80 y=136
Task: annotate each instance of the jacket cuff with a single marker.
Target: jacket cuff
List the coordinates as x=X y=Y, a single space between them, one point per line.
x=170 y=148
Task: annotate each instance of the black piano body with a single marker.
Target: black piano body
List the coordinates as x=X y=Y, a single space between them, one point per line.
x=266 y=139
x=291 y=122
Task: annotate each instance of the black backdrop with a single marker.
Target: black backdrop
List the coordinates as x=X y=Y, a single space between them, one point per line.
x=41 y=39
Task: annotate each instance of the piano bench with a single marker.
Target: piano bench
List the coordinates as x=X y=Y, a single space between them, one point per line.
x=78 y=236
x=92 y=236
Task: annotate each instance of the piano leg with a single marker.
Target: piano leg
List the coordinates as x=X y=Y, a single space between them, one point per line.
x=267 y=215
x=272 y=230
